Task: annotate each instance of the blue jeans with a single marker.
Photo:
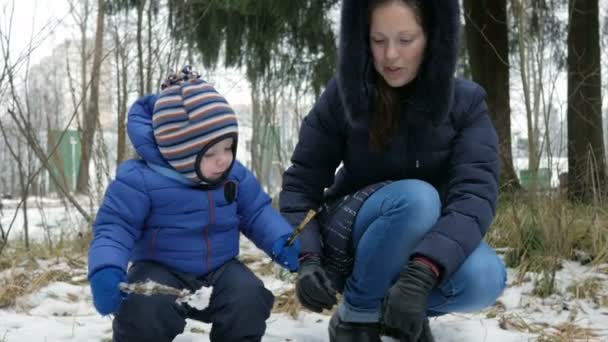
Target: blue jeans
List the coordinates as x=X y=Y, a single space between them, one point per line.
x=387 y=228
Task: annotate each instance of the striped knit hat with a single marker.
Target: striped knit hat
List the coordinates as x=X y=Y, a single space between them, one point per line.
x=189 y=117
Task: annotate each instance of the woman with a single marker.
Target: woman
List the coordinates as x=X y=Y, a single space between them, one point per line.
x=402 y=221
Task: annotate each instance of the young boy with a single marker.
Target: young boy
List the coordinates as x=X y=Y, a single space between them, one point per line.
x=177 y=214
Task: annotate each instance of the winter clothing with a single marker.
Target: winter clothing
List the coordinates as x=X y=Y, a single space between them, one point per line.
x=381 y=240
x=188 y=118
x=104 y=287
x=382 y=243
x=455 y=150
x=180 y=77
x=336 y=220
x=286 y=256
x=147 y=215
x=313 y=288
x=474 y=286
x=435 y=96
x=181 y=230
x=340 y=331
x=238 y=297
x=405 y=305
x=387 y=228
x=442 y=160
x=425 y=336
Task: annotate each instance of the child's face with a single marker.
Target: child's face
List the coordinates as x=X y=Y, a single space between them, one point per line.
x=217 y=159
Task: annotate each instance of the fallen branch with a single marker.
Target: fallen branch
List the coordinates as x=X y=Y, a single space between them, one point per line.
x=198 y=300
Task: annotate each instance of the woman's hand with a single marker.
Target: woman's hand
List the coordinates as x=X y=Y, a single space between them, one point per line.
x=405 y=305
x=313 y=288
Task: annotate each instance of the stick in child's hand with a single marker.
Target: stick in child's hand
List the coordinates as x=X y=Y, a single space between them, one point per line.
x=309 y=216
x=198 y=300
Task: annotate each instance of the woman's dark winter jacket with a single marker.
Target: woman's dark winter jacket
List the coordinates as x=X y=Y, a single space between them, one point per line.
x=445 y=138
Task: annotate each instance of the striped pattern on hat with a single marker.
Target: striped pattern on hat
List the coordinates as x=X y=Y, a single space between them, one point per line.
x=186 y=118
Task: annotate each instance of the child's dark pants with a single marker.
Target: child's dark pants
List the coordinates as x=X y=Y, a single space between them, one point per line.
x=238 y=309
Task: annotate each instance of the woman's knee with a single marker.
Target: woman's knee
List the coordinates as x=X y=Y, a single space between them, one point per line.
x=414 y=200
x=484 y=278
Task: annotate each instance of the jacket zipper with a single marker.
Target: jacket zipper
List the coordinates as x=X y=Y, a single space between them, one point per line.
x=405 y=147
x=206 y=232
x=153 y=242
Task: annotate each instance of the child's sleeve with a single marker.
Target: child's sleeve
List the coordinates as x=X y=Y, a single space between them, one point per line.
x=260 y=222
x=119 y=220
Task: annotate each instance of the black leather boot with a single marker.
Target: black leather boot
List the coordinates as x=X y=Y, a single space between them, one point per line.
x=340 y=331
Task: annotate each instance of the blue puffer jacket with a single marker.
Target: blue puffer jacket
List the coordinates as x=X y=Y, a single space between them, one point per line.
x=146 y=215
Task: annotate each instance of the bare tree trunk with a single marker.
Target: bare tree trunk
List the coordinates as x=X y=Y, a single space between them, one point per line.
x=26 y=131
x=140 y=50
x=16 y=157
x=90 y=121
x=150 y=52
x=121 y=56
x=23 y=184
x=256 y=113
x=586 y=158
x=538 y=76
x=120 y=129
x=24 y=195
x=524 y=65
x=82 y=21
x=487 y=42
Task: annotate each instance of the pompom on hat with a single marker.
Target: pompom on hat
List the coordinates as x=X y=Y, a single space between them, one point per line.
x=189 y=117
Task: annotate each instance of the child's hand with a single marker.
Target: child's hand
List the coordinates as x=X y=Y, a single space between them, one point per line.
x=286 y=256
x=104 y=287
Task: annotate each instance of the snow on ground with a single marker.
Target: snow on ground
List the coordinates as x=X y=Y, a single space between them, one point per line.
x=62 y=310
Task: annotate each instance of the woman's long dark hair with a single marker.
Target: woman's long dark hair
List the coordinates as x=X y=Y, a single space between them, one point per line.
x=386 y=112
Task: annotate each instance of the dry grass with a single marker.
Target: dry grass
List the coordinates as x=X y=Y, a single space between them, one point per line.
x=515 y=322
x=249 y=259
x=19 y=282
x=11 y=287
x=5 y=263
x=287 y=303
x=534 y=224
x=567 y=332
x=591 y=288
x=257 y=263
x=495 y=310
x=21 y=272
x=539 y=230
x=562 y=332
x=265 y=269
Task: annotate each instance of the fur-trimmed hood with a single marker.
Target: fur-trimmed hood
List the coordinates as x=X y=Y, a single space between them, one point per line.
x=433 y=91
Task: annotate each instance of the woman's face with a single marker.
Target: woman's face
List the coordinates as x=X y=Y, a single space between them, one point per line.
x=397 y=42
x=217 y=159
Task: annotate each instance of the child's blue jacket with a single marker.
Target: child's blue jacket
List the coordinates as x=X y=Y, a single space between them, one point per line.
x=146 y=215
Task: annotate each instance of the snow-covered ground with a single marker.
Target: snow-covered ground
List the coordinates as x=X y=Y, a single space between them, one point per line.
x=62 y=310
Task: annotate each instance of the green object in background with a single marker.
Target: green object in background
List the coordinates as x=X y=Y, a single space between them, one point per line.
x=541 y=179
x=65 y=161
